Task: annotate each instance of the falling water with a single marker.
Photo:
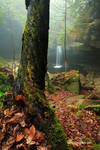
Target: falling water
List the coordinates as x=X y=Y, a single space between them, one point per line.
x=58 y=57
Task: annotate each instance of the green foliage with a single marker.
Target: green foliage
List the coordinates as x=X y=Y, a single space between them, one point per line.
x=96 y=147
x=14 y=10
x=3 y=62
x=4 y=87
x=79 y=114
x=1 y=16
x=1 y=94
x=81 y=107
x=3 y=76
x=95 y=108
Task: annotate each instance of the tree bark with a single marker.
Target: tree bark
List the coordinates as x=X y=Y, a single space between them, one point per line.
x=32 y=69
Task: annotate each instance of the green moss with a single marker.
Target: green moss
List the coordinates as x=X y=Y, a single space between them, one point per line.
x=4 y=88
x=49 y=86
x=49 y=122
x=73 y=87
x=55 y=132
x=3 y=76
x=79 y=114
x=95 y=108
x=1 y=94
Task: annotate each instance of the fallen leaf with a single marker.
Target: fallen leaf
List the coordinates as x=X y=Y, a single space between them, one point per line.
x=43 y=148
x=39 y=136
x=26 y=131
x=1 y=136
x=20 y=97
x=19 y=137
x=32 y=132
x=7 y=112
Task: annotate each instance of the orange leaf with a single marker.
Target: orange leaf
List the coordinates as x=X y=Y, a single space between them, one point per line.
x=20 y=97
x=1 y=135
x=43 y=148
x=39 y=136
x=32 y=132
x=26 y=131
x=7 y=112
x=19 y=137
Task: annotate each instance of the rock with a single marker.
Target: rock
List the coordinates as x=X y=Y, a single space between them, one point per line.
x=87 y=82
x=80 y=99
x=97 y=87
x=91 y=102
x=69 y=81
x=76 y=97
x=72 y=82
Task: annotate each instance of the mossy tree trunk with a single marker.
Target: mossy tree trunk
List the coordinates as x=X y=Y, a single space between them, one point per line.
x=32 y=69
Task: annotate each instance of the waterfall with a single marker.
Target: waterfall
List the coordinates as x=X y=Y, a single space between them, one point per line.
x=58 y=57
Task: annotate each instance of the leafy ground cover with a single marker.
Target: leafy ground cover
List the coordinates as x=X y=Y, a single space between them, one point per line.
x=17 y=131
x=82 y=127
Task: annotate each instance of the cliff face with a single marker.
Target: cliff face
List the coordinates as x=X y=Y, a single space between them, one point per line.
x=87 y=28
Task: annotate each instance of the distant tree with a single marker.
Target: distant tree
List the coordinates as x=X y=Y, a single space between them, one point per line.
x=32 y=70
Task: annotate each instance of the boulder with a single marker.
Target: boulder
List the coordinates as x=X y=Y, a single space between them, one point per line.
x=72 y=81
x=87 y=82
x=97 y=87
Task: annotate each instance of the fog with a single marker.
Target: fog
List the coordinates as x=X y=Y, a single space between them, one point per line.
x=82 y=44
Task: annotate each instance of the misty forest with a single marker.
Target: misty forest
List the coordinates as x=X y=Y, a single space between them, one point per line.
x=49 y=75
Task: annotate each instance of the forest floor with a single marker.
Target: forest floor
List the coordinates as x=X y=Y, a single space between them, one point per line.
x=17 y=131
x=82 y=126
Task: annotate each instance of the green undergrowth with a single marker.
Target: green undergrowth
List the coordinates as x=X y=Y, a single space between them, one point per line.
x=94 y=108
x=3 y=62
x=4 y=88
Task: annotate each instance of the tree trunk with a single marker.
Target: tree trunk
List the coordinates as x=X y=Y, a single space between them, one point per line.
x=32 y=69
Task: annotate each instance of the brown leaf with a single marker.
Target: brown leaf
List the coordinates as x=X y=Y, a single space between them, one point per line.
x=43 y=148
x=23 y=124
x=20 y=97
x=1 y=136
x=19 y=137
x=15 y=118
x=8 y=144
x=32 y=132
x=9 y=93
x=26 y=131
x=21 y=146
x=7 y=112
x=39 y=136
x=19 y=114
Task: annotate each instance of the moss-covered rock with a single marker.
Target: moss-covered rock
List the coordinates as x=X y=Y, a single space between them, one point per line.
x=87 y=82
x=68 y=81
x=48 y=84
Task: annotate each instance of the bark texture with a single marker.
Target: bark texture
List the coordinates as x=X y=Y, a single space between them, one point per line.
x=32 y=69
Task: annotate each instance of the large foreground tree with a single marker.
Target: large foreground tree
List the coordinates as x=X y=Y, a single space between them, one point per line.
x=32 y=70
